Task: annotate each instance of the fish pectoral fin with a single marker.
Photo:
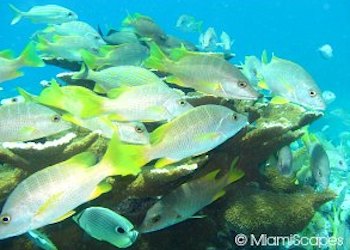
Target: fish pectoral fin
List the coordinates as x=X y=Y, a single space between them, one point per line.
x=198 y=216
x=63 y=217
x=164 y=162
x=101 y=188
x=116 y=92
x=262 y=84
x=219 y=195
x=116 y=117
x=175 y=80
x=28 y=130
x=207 y=136
x=98 y=89
x=157 y=110
x=48 y=204
x=279 y=100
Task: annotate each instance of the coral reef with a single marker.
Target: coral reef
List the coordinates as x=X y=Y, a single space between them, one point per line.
x=274 y=213
x=9 y=179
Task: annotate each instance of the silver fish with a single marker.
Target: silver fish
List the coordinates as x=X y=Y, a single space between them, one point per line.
x=320 y=166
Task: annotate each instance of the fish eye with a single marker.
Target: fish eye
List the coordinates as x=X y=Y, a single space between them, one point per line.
x=120 y=230
x=242 y=84
x=5 y=219
x=156 y=218
x=14 y=99
x=235 y=117
x=138 y=129
x=182 y=102
x=70 y=14
x=56 y=118
x=312 y=93
x=341 y=163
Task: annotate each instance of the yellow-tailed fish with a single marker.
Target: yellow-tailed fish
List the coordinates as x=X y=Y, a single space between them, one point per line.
x=10 y=66
x=290 y=82
x=29 y=121
x=48 y=14
x=128 y=132
x=183 y=202
x=113 y=77
x=123 y=54
x=193 y=133
x=106 y=225
x=145 y=103
x=208 y=74
x=66 y=47
x=51 y=194
x=145 y=27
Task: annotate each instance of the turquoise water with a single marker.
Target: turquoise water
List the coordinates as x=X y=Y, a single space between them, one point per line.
x=291 y=29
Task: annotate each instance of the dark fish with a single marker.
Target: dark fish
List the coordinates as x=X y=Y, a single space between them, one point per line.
x=285 y=161
x=115 y=37
x=319 y=164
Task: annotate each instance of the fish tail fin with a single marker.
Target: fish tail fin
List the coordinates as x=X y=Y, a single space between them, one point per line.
x=42 y=43
x=199 y=27
x=124 y=159
x=234 y=173
x=157 y=59
x=29 y=57
x=83 y=73
x=89 y=59
x=18 y=14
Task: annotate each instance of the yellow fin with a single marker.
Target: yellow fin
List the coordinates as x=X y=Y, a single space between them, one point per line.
x=114 y=93
x=27 y=130
x=28 y=97
x=219 y=195
x=49 y=203
x=6 y=54
x=211 y=176
x=98 y=89
x=85 y=160
x=63 y=217
x=72 y=119
x=234 y=174
x=158 y=134
x=263 y=85
x=101 y=188
x=279 y=100
x=164 y=162
x=207 y=136
x=173 y=79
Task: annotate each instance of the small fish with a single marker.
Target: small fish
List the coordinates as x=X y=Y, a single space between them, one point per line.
x=326 y=51
x=117 y=55
x=106 y=225
x=320 y=166
x=183 y=202
x=128 y=132
x=193 y=133
x=41 y=240
x=225 y=42
x=10 y=66
x=49 y=14
x=289 y=82
x=208 y=74
x=113 y=77
x=145 y=103
x=66 y=47
x=29 y=121
x=188 y=23
x=208 y=40
x=328 y=96
x=285 y=161
x=73 y=28
x=12 y=100
x=145 y=27
x=51 y=194
x=114 y=37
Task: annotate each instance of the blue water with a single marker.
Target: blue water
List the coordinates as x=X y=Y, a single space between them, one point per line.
x=292 y=29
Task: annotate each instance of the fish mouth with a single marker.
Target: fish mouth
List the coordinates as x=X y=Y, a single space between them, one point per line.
x=134 y=235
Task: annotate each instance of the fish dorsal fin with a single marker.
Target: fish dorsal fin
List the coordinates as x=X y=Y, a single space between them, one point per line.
x=210 y=177
x=101 y=188
x=218 y=195
x=8 y=54
x=264 y=57
x=28 y=97
x=178 y=53
x=63 y=217
x=116 y=92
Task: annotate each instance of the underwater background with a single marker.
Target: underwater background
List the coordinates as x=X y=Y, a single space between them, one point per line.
x=291 y=29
